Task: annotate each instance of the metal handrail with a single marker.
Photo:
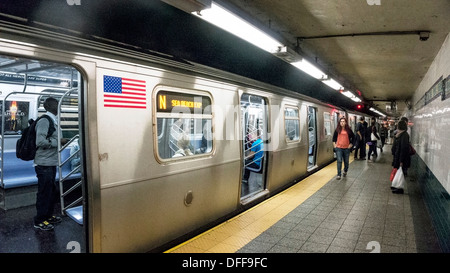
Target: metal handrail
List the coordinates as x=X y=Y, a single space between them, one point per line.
x=62 y=178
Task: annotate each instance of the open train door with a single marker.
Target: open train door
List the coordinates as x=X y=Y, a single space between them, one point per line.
x=312 y=137
x=25 y=84
x=254 y=116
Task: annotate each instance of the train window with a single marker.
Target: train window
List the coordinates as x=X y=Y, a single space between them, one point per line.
x=184 y=124
x=292 y=124
x=327 y=123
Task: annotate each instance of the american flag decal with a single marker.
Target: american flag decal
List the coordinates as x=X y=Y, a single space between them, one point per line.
x=124 y=92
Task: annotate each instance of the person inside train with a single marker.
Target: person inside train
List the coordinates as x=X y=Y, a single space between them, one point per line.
x=253 y=158
x=76 y=159
x=359 y=142
x=401 y=151
x=249 y=139
x=45 y=161
x=343 y=138
x=184 y=147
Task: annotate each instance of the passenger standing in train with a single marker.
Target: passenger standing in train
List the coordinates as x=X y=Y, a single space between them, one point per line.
x=373 y=141
x=400 y=150
x=360 y=143
x=343 y=142
x=45 y=162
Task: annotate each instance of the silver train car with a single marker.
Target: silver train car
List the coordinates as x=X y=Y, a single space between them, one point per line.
x=161 y=146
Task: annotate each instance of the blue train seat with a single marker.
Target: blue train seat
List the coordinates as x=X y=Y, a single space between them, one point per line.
x=257 y=170
x=76 y=214
x=19 y=173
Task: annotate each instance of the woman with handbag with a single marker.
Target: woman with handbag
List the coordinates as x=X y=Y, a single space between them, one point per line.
x=373 y=142
x=401 y=151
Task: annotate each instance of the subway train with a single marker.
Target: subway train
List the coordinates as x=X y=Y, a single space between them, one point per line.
x=158 y=148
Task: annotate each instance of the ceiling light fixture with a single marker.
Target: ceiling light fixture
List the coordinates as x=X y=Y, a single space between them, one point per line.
x=226 y=20
x=333 y=84
x=310 y=69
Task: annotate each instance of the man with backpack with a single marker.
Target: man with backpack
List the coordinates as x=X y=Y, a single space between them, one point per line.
x=45 y=161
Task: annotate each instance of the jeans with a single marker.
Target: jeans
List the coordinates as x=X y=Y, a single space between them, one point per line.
x=46 y=196
x=342 y=154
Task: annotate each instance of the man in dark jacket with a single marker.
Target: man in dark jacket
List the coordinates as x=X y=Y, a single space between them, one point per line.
x=360 y=142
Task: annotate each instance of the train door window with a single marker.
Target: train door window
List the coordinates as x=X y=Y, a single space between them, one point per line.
x=292 y=124
x=354 y=123
x=336 y=119
x=312 y=136
x=184 y=124
x=327 y=123
x=254 y=129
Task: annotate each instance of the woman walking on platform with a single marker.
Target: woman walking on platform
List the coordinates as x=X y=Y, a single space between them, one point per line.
x=342 y=141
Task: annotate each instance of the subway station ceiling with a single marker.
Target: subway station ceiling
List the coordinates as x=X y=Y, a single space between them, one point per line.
x=379 y=48
x=373 y=46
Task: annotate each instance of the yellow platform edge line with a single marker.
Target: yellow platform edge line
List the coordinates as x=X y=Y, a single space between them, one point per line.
x=329 y=171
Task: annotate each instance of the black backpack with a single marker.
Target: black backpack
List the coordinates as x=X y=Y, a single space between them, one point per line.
x=26 y=145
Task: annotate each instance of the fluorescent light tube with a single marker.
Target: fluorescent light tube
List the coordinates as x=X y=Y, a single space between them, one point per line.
x=310 y=69
x=228 y=21
x=333 y=84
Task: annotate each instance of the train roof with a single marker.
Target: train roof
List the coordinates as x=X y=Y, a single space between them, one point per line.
x=159 y=29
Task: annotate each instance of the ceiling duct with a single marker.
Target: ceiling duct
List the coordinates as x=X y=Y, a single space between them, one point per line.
x=287 y=54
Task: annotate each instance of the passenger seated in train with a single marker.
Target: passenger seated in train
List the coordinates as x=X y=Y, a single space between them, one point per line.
x=253 y=158
x=76 y=160
x=184 y=147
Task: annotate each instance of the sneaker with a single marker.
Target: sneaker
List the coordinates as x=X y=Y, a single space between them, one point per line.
x=345 y=174
x=44 y=226
x=338 y=177
x=54 y=220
